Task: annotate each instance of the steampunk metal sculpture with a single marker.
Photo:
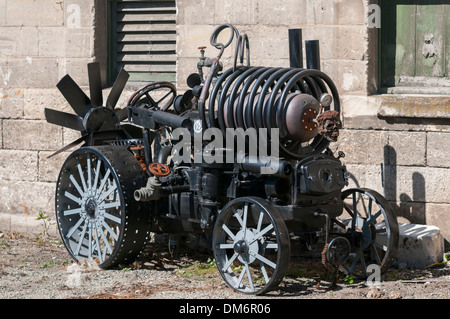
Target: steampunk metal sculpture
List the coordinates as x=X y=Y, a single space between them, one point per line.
x=125 y=181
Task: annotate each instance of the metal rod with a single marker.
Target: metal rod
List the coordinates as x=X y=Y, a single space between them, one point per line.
x=295 y=48
x=312 y=54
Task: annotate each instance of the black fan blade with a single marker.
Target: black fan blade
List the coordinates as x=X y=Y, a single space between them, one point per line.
x=68 y=120
x=117 y=89
x=77 y=99
x=74 y=143
x=95 y=84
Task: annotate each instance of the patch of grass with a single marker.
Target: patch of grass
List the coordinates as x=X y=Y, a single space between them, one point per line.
x=199 y=269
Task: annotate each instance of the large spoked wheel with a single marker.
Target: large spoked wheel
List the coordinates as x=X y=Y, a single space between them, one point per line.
x=251 y=245
x=96 y=213
x=374 y=228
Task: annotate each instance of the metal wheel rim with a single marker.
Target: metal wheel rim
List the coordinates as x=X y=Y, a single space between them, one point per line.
x=252 y=254
x=92 y=210
x=378 y=227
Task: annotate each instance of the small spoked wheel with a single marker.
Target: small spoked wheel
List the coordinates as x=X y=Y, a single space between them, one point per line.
x=96 y=213
x=251 y=245
x=372 y=222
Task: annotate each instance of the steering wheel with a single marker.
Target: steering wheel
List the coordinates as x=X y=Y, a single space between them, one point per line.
x=164 y=93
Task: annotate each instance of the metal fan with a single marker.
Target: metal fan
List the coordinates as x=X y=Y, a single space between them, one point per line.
x=90 y=114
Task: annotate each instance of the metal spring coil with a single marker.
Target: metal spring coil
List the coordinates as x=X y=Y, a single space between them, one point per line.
x=261 y=94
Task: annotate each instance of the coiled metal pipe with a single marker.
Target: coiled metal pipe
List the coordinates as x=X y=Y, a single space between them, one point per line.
x=263 y=97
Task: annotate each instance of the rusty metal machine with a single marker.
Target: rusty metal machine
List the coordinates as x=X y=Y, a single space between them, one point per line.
x=164 y=163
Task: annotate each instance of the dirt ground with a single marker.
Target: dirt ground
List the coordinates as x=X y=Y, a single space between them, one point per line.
x=32 y=267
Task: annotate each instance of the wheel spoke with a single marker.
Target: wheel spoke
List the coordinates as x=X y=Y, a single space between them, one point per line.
x=97 y=174
x=375 y=253
x=249 y=276
x=97 y=242
x=74 y=228
x=268 y=245
x=228 y=231
x=77 y=186
x=107 y=193
x=80 y=242
x=260 y=220
x=241 y=276
x=110 y=205
x=102 y=183
x=105 y=240
x=83 y=182
x=72 y=211
x=355 y=213
x=265 y=260
x=261 y=233
x=89 y=187
x=111 y=217
x=113 y=234
x=230 y=261
x=226 y=246
x=372 y=219
x=264 y=272
x=74 y=198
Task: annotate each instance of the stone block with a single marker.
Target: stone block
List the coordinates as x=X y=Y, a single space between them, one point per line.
x=77 y=68
x=18 y=165
x=439 y=214
x=26 y=223
x=34 y=13
x=69 y=136
x=365 y=176
x=362 y=147
x=336 y=12
x=438 y=154
x=283 y=13
x=406 y=148
x=417 y=184
x=5 y=222
x=191 y=37
x=49 y=167
x=31 y=135
x=331 y=38
x=236 y=12
x=414 y=106
x=32 y=72
x=11 y=103
x=349 y=76
x=19 y=42
x=36 y=100
x=267 y=42
x=2 y=12
x=65 y=42
x=419 y=245
x=27 y=197
x=197 y=12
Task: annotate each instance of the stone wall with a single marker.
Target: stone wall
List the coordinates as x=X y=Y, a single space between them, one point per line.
x=385 y=138
x=40 y=42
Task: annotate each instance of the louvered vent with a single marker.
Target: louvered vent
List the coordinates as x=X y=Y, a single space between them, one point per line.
x=144 y=39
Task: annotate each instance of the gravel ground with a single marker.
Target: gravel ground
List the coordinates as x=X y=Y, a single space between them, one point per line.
x=32 y=268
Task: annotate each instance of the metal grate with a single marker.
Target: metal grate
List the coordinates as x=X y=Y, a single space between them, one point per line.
x=143 y=38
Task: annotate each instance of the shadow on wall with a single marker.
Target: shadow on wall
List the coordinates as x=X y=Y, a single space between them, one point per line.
x=409 y=210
